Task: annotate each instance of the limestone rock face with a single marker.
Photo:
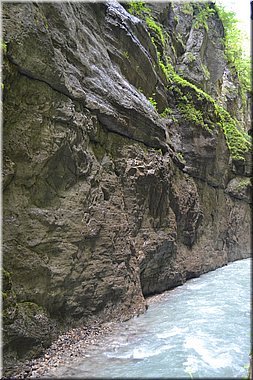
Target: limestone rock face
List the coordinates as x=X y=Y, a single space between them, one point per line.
x=196 y=48
x=105 y=201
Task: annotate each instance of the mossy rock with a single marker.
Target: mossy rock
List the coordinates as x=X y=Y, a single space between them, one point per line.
x=240 y=188
x=6 y=280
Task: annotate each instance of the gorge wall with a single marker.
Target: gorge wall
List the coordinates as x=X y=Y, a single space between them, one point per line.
x=124 y=174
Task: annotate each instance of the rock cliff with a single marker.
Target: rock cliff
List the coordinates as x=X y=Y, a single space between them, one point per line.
x=125 y=172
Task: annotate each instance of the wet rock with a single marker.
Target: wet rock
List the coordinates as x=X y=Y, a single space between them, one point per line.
x=105 y=201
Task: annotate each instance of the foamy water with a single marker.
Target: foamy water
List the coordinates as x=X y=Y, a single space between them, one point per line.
x=200 y=329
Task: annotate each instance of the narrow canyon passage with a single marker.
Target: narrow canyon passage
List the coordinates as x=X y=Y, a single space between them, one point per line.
x=126 y=171
x=200 y=329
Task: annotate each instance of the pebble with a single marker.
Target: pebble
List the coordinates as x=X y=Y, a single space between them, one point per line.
x=72 y=344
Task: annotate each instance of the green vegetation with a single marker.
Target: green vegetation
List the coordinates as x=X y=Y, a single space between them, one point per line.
x=156 y=28
x=193 y=103
x=186 y=92
x=243 y=183
x=234 y=48
x=166 y=112
x=126 y=54
x=6 y=280
x=40 y=17
x=190 y=57
x=138 y=8
x=205 y=11
x=153 y=102
x=187 y=8
x=180 y=156
x=176 y=19
x=236 y=140
x=191 y=113
x=205 y=71
x=4 y=47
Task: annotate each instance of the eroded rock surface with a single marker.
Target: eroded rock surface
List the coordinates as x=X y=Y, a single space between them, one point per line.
x=99 y=208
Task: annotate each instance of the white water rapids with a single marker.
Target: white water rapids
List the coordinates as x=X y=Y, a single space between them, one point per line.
x=200 y=329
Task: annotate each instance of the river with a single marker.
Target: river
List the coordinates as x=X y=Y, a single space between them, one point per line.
x=197 y=330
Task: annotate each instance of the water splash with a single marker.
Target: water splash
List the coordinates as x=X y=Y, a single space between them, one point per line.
x=201 y=329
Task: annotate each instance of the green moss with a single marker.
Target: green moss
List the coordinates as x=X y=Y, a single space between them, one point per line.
x=39 y=18
x=190 y=57
x=156 y=28
x=138 y=8
x=187 y=8
x=126 y=54
x=205 y=71
x=240 y=186
x=180 y=40
x=176 y=19
x=190 y=113
x=4 y=47
x=6 y=274
x=153 y=102
x=237 y=143
x=30 y=308
x=202 y=16
x=243 y=183
x=4 y=296
x=180 y=156
x=6 y=280
x=188 y=95
x=182 y=87
x=159 y=152
x=193 y=103
x=166 y=112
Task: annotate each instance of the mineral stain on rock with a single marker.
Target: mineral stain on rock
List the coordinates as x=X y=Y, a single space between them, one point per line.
x=114 y=189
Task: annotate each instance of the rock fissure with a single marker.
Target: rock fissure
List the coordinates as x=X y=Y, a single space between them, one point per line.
x=101 y=116
x=158 y=145
x=31 y=76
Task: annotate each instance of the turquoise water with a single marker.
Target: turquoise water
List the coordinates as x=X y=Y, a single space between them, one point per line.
x=200 y=329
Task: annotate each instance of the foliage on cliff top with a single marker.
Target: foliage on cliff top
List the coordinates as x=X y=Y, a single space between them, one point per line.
x=138 y=8
x=190 y=96
x=141 y=10
x=191 y=100
x=204 y=12
x=234 y=51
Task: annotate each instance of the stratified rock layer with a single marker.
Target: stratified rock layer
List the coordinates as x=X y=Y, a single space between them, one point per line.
x=99 y=209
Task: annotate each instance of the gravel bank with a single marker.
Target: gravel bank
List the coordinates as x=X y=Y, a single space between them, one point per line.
x=64 y=351
x=68 y=348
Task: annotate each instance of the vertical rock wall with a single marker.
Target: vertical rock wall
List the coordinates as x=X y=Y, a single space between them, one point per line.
x=99 y=208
